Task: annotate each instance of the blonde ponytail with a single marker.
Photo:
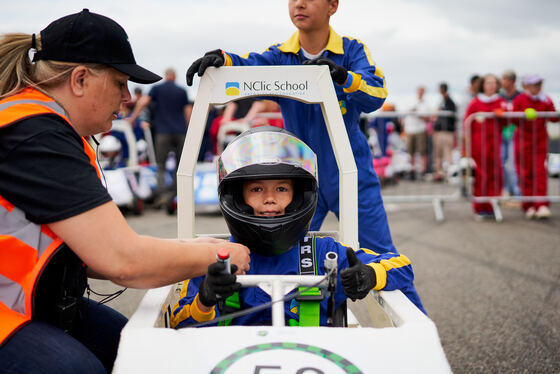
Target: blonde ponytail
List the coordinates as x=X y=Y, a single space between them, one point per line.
x=15 y=65
x=18 y=72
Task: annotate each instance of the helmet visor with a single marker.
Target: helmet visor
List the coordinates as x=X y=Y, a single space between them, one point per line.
x=266 y=148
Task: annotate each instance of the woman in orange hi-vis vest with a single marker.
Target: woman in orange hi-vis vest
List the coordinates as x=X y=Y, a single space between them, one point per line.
x=58 y=224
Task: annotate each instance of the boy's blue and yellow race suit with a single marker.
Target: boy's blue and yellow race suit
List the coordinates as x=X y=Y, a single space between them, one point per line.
x=366 y=92
x=392 y=270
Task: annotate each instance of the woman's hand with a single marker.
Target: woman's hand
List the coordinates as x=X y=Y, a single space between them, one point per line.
x=238 y=255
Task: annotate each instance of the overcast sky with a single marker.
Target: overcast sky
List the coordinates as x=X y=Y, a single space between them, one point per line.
x=414 y=42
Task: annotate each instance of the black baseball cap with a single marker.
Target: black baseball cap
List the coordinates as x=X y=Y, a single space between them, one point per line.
x=93 y=38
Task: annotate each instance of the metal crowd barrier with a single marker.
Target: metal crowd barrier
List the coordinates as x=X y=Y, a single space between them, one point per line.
x=488 y=163
x=397 y=186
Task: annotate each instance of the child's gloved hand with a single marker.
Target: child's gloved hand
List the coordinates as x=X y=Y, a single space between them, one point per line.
x=358 y=279
x=339 y=74
x=212 y=58
x=218 y=284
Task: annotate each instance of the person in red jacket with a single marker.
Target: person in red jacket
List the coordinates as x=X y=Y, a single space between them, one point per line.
x=531 y=142
x=485 y=139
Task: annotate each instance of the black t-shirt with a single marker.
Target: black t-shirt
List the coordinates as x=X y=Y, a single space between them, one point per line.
x=243 y=107
x=446 y=123
x=45 y=172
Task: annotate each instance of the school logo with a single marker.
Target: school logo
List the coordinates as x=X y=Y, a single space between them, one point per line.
x=263 y=87
x=232 y=88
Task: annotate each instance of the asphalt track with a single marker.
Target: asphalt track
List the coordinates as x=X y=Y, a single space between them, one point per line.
x=492 y=289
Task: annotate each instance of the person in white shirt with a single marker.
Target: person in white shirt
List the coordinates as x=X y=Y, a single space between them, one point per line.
x=416 y=131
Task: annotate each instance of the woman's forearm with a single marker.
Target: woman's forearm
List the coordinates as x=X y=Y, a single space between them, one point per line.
x=102 y=238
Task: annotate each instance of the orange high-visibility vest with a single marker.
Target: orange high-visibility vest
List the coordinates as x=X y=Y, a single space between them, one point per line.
x=25 y=247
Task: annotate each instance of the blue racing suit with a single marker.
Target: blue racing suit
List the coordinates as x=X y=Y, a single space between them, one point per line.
x=366 y=93
x=392 y=270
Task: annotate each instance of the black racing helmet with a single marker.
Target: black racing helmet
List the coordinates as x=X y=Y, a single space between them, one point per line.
x=267 y=152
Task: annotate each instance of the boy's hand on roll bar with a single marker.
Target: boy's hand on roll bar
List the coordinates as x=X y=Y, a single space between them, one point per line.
x=212 y=58
x=339 y=74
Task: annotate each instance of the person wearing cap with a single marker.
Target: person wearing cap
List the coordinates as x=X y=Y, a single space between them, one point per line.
x=531 y=145
x=57 y=221
x=268 y=194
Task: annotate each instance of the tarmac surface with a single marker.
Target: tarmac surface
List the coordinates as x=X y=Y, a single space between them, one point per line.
x=492 y=289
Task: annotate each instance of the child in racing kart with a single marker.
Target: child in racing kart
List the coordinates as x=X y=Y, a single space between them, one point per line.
x=268 y=193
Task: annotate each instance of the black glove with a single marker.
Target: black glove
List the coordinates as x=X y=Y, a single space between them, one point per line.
x=358 y=279
x=212 y=58
x=218 y=284
x=339 y=74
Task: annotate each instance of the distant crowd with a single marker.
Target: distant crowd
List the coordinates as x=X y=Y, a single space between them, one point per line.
x=508 y=153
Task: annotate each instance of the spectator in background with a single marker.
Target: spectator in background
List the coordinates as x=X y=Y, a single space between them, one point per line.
x=476 y=84
x=246 y=113
x=444 y=131
x=172 y=112
x=509 y=92
x=379 y=129
x=472 y=90
x=233 y=111
x=485 y=138
x=144 y=115
x=137 y=96
x=137 y=126
x=531 y=143
x=416 y=133
x=260 y=107
x=238 y=109
x=206 y=152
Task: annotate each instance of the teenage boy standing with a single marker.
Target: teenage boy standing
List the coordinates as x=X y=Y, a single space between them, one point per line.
x=360 y=87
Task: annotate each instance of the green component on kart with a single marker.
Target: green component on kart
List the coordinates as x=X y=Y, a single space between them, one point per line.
x=231 y=304
x=309 y=306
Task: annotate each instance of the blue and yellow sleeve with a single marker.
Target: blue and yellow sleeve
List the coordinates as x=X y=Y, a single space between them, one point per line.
x=269 y=57
x=367 y=81
x=186 y=311
x=392 y=270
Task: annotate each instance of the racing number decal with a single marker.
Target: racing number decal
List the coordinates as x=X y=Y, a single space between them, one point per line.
x=334 y=358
